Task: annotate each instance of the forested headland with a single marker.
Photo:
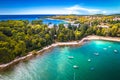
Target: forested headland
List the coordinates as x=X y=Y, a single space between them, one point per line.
x=18 y=37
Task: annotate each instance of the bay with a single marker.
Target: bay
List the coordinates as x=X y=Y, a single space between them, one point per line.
x=56 y=64
x=45 y=18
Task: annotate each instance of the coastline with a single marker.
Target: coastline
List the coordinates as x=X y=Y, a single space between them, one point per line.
x=73 y=43
x=59 y=19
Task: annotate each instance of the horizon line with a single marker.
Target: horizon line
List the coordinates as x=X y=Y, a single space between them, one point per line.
x=60 y=14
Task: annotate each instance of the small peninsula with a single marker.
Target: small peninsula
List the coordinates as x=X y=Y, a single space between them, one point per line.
x=35 y=35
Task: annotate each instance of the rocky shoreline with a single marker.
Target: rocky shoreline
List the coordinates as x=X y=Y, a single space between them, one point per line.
x=73 y=43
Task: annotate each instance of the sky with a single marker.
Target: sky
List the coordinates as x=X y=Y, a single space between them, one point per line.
x=81 y=7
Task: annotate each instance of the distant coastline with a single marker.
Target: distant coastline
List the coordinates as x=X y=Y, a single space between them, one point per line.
x=73 y=43
x=24 y=17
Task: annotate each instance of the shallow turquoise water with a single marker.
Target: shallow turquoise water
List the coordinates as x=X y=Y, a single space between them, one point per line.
x=54 y=21
x=56 y=65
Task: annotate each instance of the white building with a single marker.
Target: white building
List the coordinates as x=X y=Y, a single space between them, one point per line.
x=72 y=24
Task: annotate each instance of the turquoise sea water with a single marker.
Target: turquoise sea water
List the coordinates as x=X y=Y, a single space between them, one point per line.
x=53 y=21
x=56 y=65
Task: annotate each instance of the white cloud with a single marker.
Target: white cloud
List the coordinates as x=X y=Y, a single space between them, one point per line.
x=104 y=12
x=83 y=10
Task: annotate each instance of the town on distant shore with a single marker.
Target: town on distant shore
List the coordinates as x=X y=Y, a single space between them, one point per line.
x=18 y=37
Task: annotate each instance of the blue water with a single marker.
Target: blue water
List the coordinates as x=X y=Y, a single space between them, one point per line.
x=22 y=17
x=53 y=21
x=56 y=65
x=32 y=17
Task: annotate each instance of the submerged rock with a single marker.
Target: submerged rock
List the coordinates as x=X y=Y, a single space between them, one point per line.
x=105 y=48
x=92 y=68
x=109 y=46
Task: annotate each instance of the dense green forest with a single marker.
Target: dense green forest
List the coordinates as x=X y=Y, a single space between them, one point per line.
x=17 y=37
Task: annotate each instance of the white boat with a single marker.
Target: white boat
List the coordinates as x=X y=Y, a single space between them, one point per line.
x=96 y=54
x=75 y=66
x=115 y=51
x=89 y=60
x=70 y=57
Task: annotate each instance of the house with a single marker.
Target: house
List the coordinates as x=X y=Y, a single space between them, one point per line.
x=76 y=25
x=72 y=24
